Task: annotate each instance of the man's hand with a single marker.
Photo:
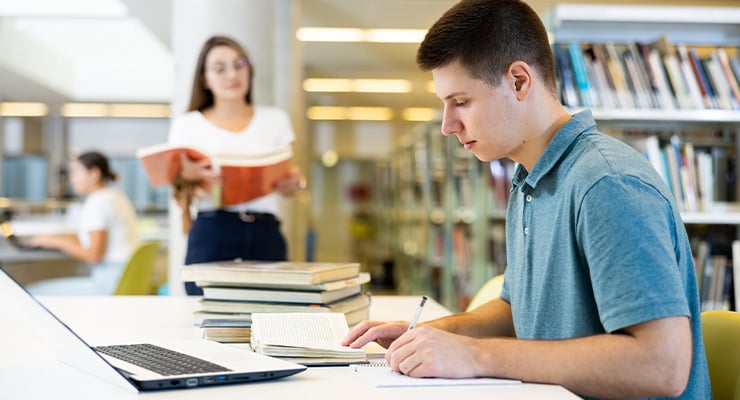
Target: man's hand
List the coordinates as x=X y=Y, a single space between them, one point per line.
x=430 y=352
x=383 y=333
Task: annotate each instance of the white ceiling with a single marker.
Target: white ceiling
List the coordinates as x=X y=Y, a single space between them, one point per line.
x=103 y=51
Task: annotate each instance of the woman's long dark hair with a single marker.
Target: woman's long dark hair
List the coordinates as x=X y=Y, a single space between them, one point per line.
x=200 y=96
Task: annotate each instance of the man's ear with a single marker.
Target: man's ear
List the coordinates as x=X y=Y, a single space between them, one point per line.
x=521 y=78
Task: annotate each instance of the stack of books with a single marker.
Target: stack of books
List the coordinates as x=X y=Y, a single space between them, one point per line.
x=233 y=291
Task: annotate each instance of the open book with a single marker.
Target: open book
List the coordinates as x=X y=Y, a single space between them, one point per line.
x=244 y=178
x=305 y=338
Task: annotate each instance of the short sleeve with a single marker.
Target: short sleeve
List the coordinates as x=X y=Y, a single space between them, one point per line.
x=630 y=249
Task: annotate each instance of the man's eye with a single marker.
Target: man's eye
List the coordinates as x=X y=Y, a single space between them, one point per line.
x=461 y=103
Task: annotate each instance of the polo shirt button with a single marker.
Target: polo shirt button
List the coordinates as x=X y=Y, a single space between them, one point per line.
x=529 y=198
x=526 y=230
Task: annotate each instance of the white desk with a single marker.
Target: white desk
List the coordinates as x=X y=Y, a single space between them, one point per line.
x=26 y=373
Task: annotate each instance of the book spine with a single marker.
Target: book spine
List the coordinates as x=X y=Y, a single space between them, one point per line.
x=666 y=96
x=579 y=71
x=690 y=77
x=710 y=101
x=720 y=85
x=729 y=77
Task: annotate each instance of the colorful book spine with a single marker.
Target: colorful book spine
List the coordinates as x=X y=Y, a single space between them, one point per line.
x=579 y=71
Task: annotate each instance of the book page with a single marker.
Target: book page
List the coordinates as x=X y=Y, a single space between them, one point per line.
x=381 y=375
x=311 y=330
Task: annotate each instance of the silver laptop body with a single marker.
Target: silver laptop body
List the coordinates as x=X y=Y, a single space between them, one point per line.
x=22 y=310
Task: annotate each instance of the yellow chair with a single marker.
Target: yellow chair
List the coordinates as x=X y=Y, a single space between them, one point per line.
x=490 y=290
x=137 y=277
x=721 y=331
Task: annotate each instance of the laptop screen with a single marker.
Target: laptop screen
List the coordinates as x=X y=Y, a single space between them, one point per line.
x=20 y=310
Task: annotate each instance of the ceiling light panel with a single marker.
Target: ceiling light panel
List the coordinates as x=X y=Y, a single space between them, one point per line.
x=321 y=34
x=357 y=85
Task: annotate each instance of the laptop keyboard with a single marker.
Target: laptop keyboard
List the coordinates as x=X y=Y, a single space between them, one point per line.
x=160 y=360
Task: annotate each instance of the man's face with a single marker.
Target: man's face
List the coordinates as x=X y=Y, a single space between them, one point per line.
x=482 y=117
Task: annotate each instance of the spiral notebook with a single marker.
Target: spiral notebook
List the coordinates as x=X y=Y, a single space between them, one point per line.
x=378 y=373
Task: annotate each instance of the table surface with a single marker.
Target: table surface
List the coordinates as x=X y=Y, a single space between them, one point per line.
x=28 y=370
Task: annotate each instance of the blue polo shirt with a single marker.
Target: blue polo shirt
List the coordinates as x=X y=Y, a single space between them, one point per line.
x=595 y=243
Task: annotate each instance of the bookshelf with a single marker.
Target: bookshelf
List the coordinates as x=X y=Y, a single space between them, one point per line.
x=682 y=44
x=451 y=207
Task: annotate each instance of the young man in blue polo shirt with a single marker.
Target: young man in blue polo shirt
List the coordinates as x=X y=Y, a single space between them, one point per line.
x=599 y=294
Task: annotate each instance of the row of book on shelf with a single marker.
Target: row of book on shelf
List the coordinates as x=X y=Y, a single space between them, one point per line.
x=718 y=276
x=697 y=177
x=238 y=294
x=657 y=75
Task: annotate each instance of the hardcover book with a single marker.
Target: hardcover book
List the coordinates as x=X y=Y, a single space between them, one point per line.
x=278 y=296
x=242 y=178
x=268 y=272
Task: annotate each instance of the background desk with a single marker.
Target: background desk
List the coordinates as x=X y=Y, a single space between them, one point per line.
x=30 y=265
x=25 y=370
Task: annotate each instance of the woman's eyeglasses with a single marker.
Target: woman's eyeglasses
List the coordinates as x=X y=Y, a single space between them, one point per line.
x=222 y=68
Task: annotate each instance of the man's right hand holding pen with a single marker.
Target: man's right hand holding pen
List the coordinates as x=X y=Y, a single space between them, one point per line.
x=456 y=346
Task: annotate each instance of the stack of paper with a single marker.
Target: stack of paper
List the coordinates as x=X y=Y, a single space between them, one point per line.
x=236 y=290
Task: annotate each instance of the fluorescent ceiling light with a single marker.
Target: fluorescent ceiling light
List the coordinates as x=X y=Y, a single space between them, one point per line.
x=418 y=113
x=115 y=110
x=349 y=113
x=85 y=110
x=395 y=35
x=21 y=109
x=357 y=85
x=125 y=110
x=66 y=8
x=320 y=34
x=330 y=35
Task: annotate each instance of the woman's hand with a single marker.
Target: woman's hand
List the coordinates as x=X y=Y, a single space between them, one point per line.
x=294 y=182
x=197 y=171
x=47 y=241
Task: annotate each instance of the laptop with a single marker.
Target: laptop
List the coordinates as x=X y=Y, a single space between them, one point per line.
x=206 y=363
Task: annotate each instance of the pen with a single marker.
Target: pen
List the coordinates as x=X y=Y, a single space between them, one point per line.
x=418 y=313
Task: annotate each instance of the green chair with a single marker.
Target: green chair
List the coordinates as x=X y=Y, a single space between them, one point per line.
x=137 y=277
x=490 y=290
x=721 y=331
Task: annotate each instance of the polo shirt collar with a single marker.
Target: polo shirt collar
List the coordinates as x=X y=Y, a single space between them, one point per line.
x=555 y=150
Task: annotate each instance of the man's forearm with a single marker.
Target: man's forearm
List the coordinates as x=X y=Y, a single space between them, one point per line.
x=492 y=319
x=605 y=366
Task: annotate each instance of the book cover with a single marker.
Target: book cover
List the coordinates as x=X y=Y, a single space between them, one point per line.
x=362 y=277
x=278 y=296
x=267 y=272
x=242 y=178
x=245 y=308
